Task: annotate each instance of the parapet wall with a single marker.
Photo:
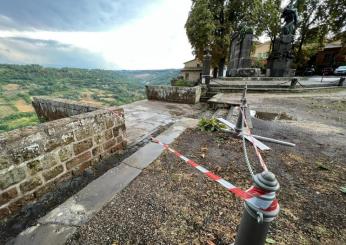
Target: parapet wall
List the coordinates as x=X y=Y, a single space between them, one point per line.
x=185 y=95
x=33 y=160
x=51 y=109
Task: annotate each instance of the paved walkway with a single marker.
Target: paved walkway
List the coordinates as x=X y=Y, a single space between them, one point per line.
x=144 y=117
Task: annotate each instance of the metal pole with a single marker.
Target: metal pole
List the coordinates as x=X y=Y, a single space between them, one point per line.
x=255 y=222
x=294 y=82
x=273 y=140
x=206 y=67
x=239 y=124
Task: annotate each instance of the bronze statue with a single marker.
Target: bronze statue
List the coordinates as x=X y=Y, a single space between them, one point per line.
x=290 y=15
x=281 y=57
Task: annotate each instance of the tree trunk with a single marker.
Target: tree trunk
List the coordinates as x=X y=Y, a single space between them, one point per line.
x=221 y=67
x=301 y=45
x=215 y=72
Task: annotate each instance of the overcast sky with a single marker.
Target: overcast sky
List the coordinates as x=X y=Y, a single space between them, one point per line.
x=109 y=34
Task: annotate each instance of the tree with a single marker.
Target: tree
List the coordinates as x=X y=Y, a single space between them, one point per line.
x=206 y=27
x=336 y=13
x=271 y=19
x=246 y=12
x=211 y=22
x=312 y=22
x=221 y=37
x=200 y=27
x=318 y=21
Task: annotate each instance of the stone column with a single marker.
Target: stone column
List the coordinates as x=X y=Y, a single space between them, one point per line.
x=245 y=51
x=206 y=68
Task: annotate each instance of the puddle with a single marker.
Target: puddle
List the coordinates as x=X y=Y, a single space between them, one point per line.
x=270 y=116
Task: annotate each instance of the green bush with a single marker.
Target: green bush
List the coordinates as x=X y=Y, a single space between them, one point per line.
x=210 y=125
x=183 y=83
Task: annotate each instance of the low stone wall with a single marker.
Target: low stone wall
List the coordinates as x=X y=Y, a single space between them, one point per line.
x=33 y=160
x=185 y=95
x=50 y=109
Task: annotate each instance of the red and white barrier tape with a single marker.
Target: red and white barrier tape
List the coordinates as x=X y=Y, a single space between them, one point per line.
x=254 y=195
x=264 y=166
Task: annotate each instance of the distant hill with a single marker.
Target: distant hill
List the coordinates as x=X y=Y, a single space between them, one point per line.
x=19 y=83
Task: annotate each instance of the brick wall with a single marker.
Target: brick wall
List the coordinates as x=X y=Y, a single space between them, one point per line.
x=185 y=95
x=54 y=108
x=33 y=160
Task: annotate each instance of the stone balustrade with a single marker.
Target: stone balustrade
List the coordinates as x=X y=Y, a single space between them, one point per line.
x=185 y=95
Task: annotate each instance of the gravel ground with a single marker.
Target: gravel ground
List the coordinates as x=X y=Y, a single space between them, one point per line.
x=171 y=203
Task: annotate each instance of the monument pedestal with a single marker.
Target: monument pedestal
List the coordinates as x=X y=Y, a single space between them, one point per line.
x=281 y=57
x=281 y=68
x=240 y=61
x=245 y=72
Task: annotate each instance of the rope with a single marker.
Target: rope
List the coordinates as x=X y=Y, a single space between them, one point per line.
x=246 y=158
x=259 y=156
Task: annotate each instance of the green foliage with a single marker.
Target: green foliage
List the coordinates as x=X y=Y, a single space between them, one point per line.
x=19 y=120
x=343 y=189
x=260 y=63
x=210 y=125
x=200 y=26
x=211 y=23
x=270 y=240
x=317 y=21
x=270 y=19
x=183 y=83
x=104 y=86
x=245 y=13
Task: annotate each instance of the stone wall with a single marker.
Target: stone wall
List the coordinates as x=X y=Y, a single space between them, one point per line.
x=185 y=95
x=34 y=159
x=50 y=109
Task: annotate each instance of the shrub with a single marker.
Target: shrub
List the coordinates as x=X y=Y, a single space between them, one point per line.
x=210 y=125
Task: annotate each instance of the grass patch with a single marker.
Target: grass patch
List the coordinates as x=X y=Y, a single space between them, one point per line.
x=6 y=110
x=18 y=120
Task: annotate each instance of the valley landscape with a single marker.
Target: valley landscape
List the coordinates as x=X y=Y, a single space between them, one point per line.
x=19 y=83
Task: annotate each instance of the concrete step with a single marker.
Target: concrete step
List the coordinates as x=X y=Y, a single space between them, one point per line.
x=273 y=90
x=233 y=114
x=207 y=114
x=221 y=113
x=259 y=78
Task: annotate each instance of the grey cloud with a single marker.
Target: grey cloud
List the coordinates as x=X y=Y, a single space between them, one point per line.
x=48 y=53
x=69 y=15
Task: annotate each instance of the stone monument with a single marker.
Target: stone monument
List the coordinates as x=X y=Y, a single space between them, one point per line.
x=240 y=51
x=280 y=59
x=206 y=67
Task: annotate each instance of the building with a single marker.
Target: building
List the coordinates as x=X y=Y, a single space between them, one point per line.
x=261 y=50
x=192 y=70
x=332 y=55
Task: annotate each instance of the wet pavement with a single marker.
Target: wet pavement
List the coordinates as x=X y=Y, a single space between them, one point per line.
x=144 y=117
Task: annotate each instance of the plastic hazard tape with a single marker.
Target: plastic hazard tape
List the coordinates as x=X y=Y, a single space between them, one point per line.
x=252 y=140
x=255 y=196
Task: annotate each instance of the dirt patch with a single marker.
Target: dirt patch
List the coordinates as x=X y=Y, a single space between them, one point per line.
x=171 y=203
x=23 y=106
x=6 y=110
x=86 y=97
x=11 y=87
